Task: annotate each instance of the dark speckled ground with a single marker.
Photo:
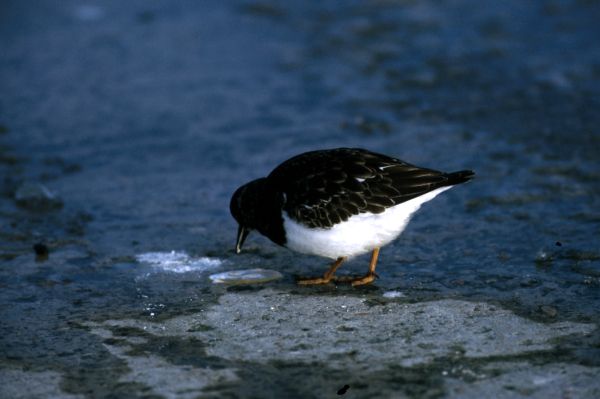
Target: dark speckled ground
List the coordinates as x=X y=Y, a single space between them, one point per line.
x=145 y=116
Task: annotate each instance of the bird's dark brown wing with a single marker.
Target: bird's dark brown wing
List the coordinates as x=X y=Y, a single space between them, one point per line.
x=322 y=188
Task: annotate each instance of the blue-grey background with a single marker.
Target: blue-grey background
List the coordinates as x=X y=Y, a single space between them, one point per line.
x=144 y=117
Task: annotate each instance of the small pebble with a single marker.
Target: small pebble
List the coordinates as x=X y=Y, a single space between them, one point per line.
x=36 y=197
x=40 y=249
x=343 y=389
x=549 y=311
x=529 y=282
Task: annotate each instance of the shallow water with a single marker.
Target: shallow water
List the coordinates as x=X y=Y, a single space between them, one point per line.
x=144 y=117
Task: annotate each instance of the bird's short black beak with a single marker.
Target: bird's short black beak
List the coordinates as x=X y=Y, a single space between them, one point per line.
x=241 y=237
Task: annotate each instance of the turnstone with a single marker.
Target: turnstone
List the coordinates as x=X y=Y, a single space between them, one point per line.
x=337 y=203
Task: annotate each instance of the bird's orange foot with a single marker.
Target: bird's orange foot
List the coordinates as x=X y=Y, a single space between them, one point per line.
x=314 y=281
x=327 y=277
x=355 y=281
x=367 y=279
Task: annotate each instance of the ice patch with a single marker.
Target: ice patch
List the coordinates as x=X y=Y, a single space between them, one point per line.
x=249 y=276
x=393 y=294
x=178 y=261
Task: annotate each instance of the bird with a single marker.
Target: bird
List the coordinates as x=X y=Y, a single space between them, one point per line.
x=337 y=203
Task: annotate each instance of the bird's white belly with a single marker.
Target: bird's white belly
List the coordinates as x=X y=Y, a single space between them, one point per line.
x=359 y=234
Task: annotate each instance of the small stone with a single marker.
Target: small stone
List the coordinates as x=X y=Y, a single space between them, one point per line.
x=549 y=311
x=41 y=249
x=544 y=258
x=243 y=277
x=343 y=389
x=36 y=197
x=529 y=282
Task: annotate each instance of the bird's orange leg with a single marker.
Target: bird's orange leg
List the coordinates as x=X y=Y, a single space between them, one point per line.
x=327 y=277
x=370 y=276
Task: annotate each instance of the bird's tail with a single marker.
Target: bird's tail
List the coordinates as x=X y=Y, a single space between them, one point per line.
x=459 y=177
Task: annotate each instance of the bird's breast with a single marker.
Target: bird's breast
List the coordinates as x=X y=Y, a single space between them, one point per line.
x=359 y=234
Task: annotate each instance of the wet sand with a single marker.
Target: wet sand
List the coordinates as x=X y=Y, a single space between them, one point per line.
x=125 y=127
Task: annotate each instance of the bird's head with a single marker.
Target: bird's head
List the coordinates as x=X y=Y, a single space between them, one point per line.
x=246 y=205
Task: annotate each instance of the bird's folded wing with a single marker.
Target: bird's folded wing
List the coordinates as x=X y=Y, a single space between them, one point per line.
x=321 y=190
